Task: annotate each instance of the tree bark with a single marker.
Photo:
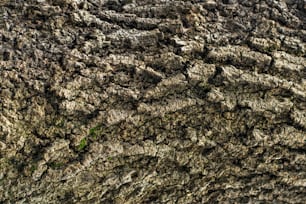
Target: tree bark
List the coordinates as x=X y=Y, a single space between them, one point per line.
x=152 y=101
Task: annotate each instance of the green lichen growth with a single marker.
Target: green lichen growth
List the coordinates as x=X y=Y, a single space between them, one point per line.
x=96 y=131
x=93 y=132
x=83 y=144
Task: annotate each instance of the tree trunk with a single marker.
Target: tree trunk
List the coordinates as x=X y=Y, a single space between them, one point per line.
x=152 y=101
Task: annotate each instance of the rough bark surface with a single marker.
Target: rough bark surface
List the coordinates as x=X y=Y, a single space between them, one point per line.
x=152 y=101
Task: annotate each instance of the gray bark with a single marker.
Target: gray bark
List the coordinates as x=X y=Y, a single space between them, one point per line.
x=152 y=101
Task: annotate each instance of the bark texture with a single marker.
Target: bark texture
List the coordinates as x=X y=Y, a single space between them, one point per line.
x=152 y=101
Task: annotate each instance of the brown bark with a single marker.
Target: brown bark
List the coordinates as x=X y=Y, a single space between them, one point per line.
x=151 y=101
